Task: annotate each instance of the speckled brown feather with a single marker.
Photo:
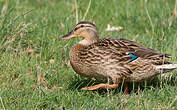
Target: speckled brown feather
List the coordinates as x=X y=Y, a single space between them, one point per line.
x=118 y=49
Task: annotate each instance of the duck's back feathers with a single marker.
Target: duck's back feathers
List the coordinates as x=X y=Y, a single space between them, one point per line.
x=142 y=51
x=120 y=50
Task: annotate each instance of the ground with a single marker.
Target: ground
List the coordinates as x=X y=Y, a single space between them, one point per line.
x=34 y=69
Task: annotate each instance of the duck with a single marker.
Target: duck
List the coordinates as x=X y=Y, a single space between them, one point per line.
x=115 y=59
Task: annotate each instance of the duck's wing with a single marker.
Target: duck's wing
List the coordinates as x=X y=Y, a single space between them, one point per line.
x=141 y=51
x=121 y=50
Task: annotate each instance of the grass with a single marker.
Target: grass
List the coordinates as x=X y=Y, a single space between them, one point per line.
x=33 y=62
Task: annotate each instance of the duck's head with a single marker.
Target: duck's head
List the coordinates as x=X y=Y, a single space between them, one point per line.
x=85 y=30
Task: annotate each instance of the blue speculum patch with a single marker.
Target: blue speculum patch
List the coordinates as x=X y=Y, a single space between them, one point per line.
x=133 y=57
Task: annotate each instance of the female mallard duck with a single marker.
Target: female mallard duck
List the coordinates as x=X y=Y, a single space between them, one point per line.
x=113 y=59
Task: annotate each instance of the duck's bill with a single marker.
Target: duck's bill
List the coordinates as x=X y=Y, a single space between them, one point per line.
x=68 y=36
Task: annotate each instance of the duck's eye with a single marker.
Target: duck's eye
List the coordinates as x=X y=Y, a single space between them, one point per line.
x=76 y=28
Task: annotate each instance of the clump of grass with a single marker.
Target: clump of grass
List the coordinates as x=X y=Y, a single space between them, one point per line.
x=13 y=31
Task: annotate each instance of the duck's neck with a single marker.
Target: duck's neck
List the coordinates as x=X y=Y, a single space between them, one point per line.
x=89 y=39
x=86 y=42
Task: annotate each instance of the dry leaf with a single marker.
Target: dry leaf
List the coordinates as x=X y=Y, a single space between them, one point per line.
x=62 y=25
x=51 y=61
x=73 y=7
x=47 y=89
x=39 y=79
x=33 y=85
x=45 y=62
x=113 y=28
x=57 y=88
x=30 y=50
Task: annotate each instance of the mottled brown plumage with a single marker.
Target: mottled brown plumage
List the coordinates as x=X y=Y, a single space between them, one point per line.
x=113 y=58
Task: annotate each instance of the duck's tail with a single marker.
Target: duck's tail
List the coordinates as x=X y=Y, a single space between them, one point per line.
x=166 y=67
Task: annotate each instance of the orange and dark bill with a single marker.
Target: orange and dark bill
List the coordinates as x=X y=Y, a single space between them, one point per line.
x=68 y=36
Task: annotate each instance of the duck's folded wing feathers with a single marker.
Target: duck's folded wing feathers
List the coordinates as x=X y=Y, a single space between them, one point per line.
x=121 y=50
x=141 y=51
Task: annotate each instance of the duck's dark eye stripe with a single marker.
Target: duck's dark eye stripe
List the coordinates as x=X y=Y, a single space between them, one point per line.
x=76 y=28
x=80 y=27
